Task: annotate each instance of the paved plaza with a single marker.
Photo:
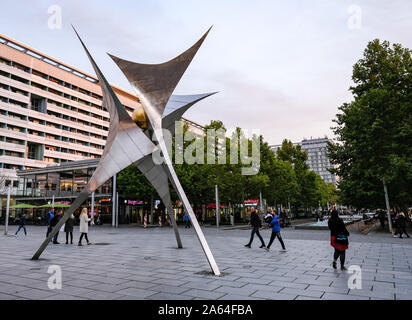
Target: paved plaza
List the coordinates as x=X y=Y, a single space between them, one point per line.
x=135 y=263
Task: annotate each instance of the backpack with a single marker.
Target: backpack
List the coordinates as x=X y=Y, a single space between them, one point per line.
x=269 y=219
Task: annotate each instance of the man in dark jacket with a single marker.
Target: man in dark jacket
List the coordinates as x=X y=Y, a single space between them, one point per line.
x=381 y=217
x=401 y=225
x=256 y=224
x=53 y=223
x=22 y=224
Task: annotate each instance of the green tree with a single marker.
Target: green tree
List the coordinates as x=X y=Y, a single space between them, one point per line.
x=308 y=184
x=374 y=131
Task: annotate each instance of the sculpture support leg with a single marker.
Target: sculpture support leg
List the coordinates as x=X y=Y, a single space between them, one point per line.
x=77 y=203
x=174 y=224
x=182 y=196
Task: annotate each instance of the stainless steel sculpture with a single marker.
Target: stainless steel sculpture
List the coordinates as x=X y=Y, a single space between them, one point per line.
x=154 y=84
x=129 y=142
x=155 y=173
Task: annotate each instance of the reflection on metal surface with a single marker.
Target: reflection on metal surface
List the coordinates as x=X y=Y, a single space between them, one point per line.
x=177 y=106
x=154 y=85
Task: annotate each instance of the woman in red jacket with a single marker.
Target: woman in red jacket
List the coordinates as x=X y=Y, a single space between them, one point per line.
x=338 y=238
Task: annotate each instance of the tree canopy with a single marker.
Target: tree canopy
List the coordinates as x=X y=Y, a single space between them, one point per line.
x=281 y=179
x=374 y=131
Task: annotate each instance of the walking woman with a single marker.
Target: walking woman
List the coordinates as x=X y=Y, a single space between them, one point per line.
x=84 y=226
x=68 y=228
x=338 y=238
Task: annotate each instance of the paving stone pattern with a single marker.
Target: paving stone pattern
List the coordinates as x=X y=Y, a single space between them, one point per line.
x=139 y=263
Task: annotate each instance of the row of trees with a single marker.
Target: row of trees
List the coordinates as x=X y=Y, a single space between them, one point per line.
x=283 y=178
x=374 y=131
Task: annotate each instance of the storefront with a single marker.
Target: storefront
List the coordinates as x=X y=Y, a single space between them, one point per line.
x=63 y=184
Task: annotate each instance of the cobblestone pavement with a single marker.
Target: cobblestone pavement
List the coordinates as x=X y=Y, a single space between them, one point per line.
x=136 y=263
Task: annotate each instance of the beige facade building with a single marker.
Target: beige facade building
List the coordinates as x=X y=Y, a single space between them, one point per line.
x=318 y=160
x=50 y=112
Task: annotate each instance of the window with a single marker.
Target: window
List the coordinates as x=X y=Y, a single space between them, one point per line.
x=39 y=74
x=57 y=81
x=38 y=103
x=55 y=92
x=20 y=67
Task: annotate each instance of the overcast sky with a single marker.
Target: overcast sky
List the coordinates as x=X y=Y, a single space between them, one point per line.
x=283 y=67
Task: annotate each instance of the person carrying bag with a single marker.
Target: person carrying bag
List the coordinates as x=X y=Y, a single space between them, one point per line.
x=338 y=239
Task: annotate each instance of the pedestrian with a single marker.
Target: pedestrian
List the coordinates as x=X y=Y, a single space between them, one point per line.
x=187 y=219
x=22 y=224
x=338 y=239
x=84 y=226
x=68 y=228
x=50 y=216
x=53 y=223
x=394 y=224
x=401 y=225
x=275 y=232
x=99 y=221
x=256 y=224
x=382 y=218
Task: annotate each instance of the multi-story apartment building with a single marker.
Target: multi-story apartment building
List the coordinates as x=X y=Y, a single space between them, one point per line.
x=318 y=160
x=50 y=112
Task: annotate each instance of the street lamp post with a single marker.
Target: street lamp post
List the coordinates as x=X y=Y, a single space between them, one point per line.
x=92 y=209
x=114 y=201
x=217 y=206
x=6 y=223
x=388 y=208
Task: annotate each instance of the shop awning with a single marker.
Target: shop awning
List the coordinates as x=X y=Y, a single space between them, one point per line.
x=56 y=205
x=23 y=206
x=213 y=206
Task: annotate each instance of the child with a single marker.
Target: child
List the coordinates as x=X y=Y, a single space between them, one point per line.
x=275 y=232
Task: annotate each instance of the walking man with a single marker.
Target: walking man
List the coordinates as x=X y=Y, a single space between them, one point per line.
x=382 y=219
x=49 y=219
x=401 y=225
x=275 y=232
x=22 y=224
x=53 y=223
x=256 y=224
